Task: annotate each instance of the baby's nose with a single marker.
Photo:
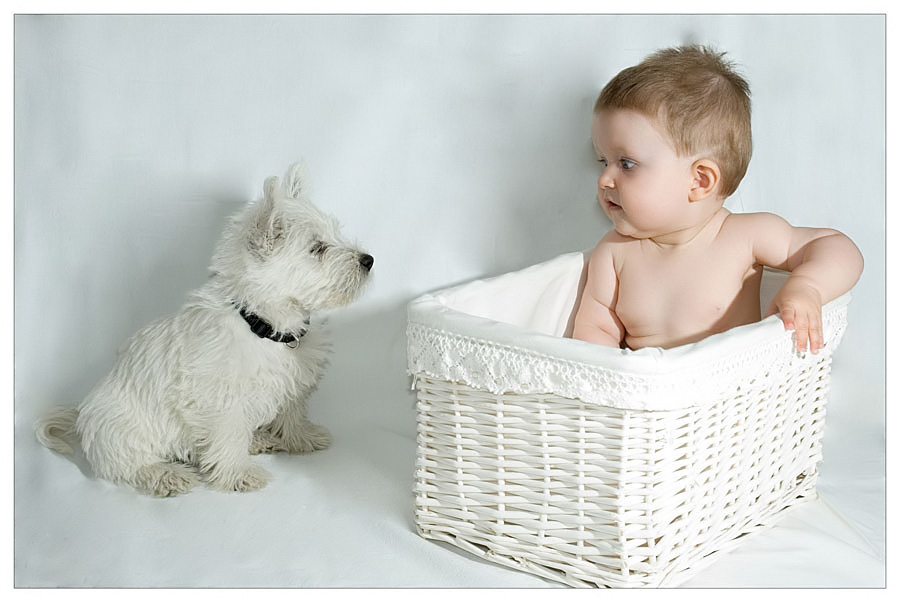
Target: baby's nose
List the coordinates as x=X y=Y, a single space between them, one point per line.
x=605 y=182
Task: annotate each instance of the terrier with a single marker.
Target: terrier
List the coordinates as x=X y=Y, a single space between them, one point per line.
x=194 y=394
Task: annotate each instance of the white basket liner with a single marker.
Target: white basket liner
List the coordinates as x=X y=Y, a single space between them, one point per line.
x=457 y=335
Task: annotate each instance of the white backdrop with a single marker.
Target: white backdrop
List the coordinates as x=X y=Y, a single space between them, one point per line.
x=451 y=147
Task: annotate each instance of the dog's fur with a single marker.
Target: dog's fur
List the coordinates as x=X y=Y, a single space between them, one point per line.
x=198 y=391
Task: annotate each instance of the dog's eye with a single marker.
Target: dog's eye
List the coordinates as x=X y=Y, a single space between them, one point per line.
x=319 y=248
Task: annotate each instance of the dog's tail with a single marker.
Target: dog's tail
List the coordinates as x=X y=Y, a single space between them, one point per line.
x=56 y=430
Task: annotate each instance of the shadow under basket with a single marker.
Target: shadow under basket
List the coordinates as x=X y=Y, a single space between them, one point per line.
x=595 y=466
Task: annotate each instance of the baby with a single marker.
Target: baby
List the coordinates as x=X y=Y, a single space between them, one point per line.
x=673 y=138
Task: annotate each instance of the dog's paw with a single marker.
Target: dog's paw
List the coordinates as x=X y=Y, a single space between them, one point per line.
x=253 y=478
x=318 y=437
x=165 y=479
x=248 y=477
x=264 y=442
x=310 y=438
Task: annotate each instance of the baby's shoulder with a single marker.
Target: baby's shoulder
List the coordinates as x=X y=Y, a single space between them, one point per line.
x=613 y=239
x=750 y=225
x=614 y=244
x=751 y=220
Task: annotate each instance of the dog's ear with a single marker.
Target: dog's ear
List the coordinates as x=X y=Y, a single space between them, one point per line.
x=269 y=187
x=266 y=229
x=294 y=181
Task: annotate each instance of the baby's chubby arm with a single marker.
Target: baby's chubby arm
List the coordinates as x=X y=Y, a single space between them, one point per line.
x=824 y=264
x=595 y=320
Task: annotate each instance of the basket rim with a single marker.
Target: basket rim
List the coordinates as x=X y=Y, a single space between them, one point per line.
x=682 y=374
x=432 y=311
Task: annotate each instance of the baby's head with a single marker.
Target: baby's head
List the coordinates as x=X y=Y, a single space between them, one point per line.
x=694 y=96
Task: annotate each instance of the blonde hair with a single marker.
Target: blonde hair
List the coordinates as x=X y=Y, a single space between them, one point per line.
x=697 y=97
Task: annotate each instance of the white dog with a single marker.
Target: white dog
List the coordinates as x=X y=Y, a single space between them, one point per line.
x=229 y=374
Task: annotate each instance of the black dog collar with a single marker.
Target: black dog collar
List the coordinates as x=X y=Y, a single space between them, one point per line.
x=264 y=330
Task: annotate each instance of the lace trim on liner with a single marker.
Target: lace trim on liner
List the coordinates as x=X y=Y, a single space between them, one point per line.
x=484 y=364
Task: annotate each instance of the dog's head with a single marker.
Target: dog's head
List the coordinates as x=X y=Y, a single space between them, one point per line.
x=284 y=256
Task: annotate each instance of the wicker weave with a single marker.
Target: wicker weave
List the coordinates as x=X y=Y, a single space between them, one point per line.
x=590 y=494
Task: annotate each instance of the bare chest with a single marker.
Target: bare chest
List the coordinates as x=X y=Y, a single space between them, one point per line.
x=666 y=301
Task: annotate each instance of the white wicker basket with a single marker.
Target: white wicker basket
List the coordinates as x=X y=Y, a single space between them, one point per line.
x=602 y=467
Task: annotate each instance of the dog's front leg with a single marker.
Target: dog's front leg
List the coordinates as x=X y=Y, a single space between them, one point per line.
x=295 y=432
x=224 y=458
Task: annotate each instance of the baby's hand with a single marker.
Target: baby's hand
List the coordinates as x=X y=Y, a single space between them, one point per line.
x=800 y=305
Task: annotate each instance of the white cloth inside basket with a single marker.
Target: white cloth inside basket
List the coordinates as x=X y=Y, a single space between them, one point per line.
x=508 y=334
x=539 y=298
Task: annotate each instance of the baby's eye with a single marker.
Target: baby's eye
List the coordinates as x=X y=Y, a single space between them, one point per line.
x=603 y=163
x=627 y=164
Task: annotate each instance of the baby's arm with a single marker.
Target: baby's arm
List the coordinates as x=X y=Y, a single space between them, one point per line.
x=824 y=264
x=595 y=321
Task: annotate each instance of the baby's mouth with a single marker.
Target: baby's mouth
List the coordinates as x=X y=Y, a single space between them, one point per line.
x=611 y=205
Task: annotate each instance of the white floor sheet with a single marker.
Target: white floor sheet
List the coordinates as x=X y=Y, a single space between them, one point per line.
x=344 y=517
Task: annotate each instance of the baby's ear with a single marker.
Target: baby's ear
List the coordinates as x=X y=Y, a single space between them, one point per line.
x=705 y=179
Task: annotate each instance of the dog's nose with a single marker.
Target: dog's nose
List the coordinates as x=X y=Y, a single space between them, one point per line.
x=366 y=261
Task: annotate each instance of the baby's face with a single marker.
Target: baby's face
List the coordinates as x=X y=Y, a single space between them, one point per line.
x=644 y=184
